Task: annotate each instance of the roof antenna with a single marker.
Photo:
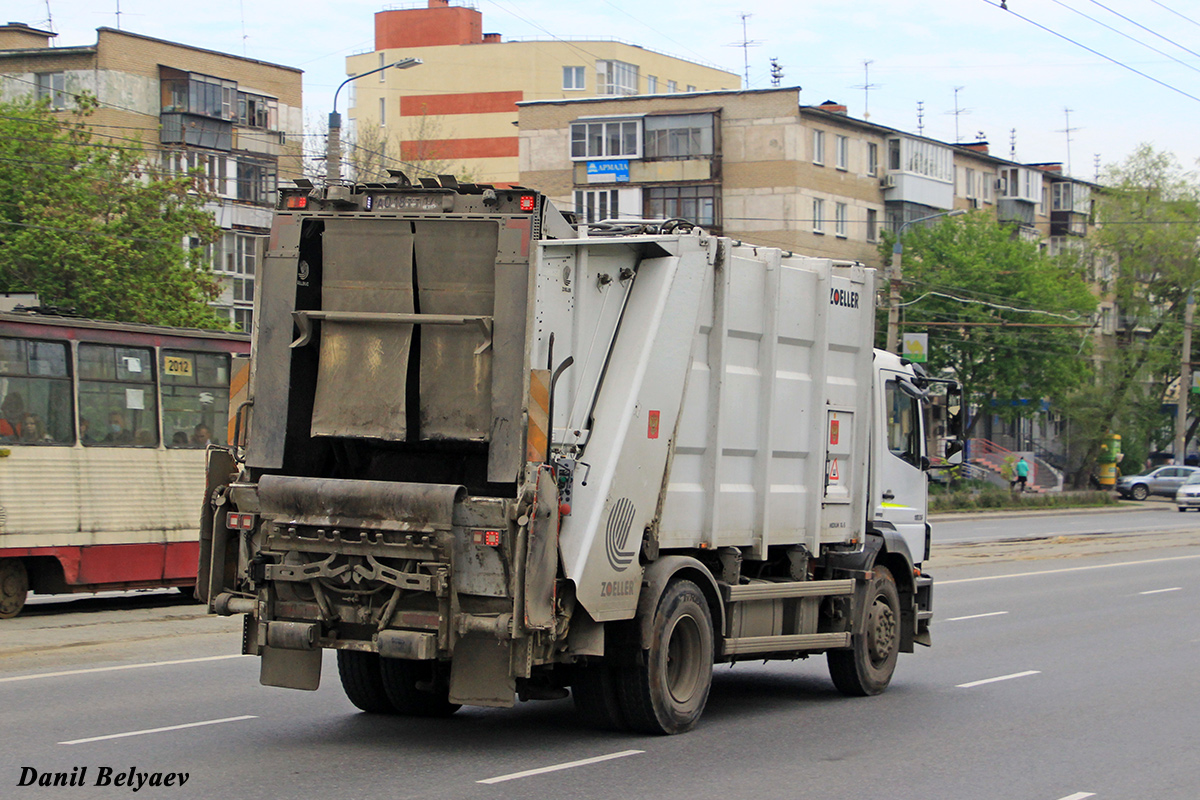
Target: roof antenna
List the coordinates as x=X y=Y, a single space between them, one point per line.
x=746 y=44
x=867 y=86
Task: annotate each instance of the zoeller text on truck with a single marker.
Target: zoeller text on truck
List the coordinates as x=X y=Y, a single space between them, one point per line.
x=490 y=456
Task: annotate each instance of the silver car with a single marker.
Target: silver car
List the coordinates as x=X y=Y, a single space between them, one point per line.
x=1188 y=495
x=1164 y=481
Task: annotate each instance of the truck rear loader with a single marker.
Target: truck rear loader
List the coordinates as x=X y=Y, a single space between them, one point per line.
x=489 y=454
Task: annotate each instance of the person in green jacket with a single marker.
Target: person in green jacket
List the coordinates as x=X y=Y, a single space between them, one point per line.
x=1022 y=473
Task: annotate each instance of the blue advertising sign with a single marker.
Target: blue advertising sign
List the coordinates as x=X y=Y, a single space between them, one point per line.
x=608 y=171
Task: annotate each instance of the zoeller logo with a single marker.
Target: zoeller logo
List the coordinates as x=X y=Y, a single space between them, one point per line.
x=616 y=536
x=843 y=297
x=302 y=271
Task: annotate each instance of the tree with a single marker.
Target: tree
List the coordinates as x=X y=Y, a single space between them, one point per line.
x=91 y=225
x=1007 y=321
x=1149 y=218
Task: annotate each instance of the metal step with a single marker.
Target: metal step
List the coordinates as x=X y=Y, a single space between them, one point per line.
x=775 y=591
x=781 y=644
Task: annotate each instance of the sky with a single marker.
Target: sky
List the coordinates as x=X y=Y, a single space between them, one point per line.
x=1017 y=71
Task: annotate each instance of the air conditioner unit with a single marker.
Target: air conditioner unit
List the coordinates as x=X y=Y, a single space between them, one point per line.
x=888 y=181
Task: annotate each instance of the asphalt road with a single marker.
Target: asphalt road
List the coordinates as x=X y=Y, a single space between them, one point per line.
x=1064 y=671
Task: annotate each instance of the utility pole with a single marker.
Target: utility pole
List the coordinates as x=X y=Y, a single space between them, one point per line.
x=895 y=279
x=1185 y=379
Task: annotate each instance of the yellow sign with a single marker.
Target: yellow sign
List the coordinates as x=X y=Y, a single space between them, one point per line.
x=174 y=365
x=915 y=347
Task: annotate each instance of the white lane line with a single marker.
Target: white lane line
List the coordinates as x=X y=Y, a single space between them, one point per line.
x=159 y=730
x=570 y=764
x=1078 y=796
x=40 y=675
x=976 y=616
x=1161 y=591
x=1066 y=569
x=1024 y=674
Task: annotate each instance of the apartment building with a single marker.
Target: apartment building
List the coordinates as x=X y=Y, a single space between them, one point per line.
x=456 y=113
x=237 y=119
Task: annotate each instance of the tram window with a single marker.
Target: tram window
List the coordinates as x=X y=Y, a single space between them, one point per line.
x=117 y=402
x=36 y=388
x=195 y=389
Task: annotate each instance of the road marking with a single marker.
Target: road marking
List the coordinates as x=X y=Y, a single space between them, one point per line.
x=570 y=764
x=1160 y=591
x=976 y=616
x=159 y=730
x=1024 y=674
x=1066 y=569
x=1078 y=796
x=114 y=669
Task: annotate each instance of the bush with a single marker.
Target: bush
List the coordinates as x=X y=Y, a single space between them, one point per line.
x=996 y=497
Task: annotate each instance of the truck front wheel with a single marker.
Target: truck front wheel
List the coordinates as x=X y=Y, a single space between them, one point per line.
x=866 y=668
x=666 y=690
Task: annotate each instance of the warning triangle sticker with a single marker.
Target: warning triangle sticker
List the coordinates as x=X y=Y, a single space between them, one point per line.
x=833 y=473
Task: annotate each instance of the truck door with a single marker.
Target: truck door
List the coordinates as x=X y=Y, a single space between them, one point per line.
x=900 y=483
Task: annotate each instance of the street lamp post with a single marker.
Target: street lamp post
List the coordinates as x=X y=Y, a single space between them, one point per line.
x=333 y=143
x=1185 y=379
x=893 y=324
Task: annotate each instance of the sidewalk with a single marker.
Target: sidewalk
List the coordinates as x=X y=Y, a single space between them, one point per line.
x=1008 y=513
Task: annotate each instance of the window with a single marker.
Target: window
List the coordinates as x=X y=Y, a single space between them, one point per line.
x=842 y=146
x=117 y=403
x=573 y=78
x=818 y=147
x=256 y=181
x=598 y=205
x=839 y=219
x=195 y=397
x=872 y=225
x=652 y=84
x=1020 y=183
x=696 y=204
x=818 y=217
x=872 y=158
x=691 y=88
x=202 y=95
x=685 y=135
x=920 y=157
x=672 y=87
x=616 y=77
x=52 y=86
x=969 y=182
x=903 y=424
x=37 y=393
x=382 y=112
x=209 y=168
x=605 y=139
x=257 y=111
x=893 y=154
x=236 y=263
x=383 y=63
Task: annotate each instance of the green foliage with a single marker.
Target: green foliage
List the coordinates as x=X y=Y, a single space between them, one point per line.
x=87 y=224
x=997 y=498
x=975 y=272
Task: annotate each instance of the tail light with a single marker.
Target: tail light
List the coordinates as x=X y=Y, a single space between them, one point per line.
x=239 y=522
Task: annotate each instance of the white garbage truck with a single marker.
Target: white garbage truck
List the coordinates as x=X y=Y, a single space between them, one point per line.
x=490 y=454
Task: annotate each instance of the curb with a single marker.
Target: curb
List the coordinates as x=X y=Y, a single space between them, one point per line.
x=1007 y=513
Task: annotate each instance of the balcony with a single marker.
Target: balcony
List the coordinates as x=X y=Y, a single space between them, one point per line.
x=197 y=131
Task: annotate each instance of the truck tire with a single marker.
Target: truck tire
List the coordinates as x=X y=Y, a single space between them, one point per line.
x=414 y=689
x=866 y=668
x=362 y=682
x=664 y=692
x=594 y=690
x=14 y=587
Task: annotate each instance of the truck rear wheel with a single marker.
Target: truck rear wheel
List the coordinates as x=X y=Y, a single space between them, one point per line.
x=14 y=586
x=665 y=692
x=866 y=668
x=416 y=689
x=594 y=690
x=362 y=681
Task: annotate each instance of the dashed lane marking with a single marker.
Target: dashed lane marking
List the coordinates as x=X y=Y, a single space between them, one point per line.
x=1024 y=674
x=1066 y=569
x=159 y=730
x=64 y=673
x=976 y=616
x=1162 y=591
x=512 y=776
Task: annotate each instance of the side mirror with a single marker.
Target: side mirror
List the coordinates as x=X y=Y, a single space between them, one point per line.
x=954 y=451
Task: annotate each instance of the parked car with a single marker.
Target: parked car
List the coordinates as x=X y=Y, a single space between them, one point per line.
x=1164 y=481
x=1188 y=495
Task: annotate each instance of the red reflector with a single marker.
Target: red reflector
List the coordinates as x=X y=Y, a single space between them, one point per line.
x=238 y=521
x=489 y=538
x=527 y=202
x=297 y=202
x=231 y=520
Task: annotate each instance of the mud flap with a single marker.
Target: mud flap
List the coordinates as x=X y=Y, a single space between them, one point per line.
x=541 y=563
x=480 y=673
x=214 y=572
x=290 y=669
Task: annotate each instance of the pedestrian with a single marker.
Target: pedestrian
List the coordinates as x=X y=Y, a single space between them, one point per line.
x=1022 y=472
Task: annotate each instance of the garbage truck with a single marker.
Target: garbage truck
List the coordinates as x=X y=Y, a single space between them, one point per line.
x=489 y=453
